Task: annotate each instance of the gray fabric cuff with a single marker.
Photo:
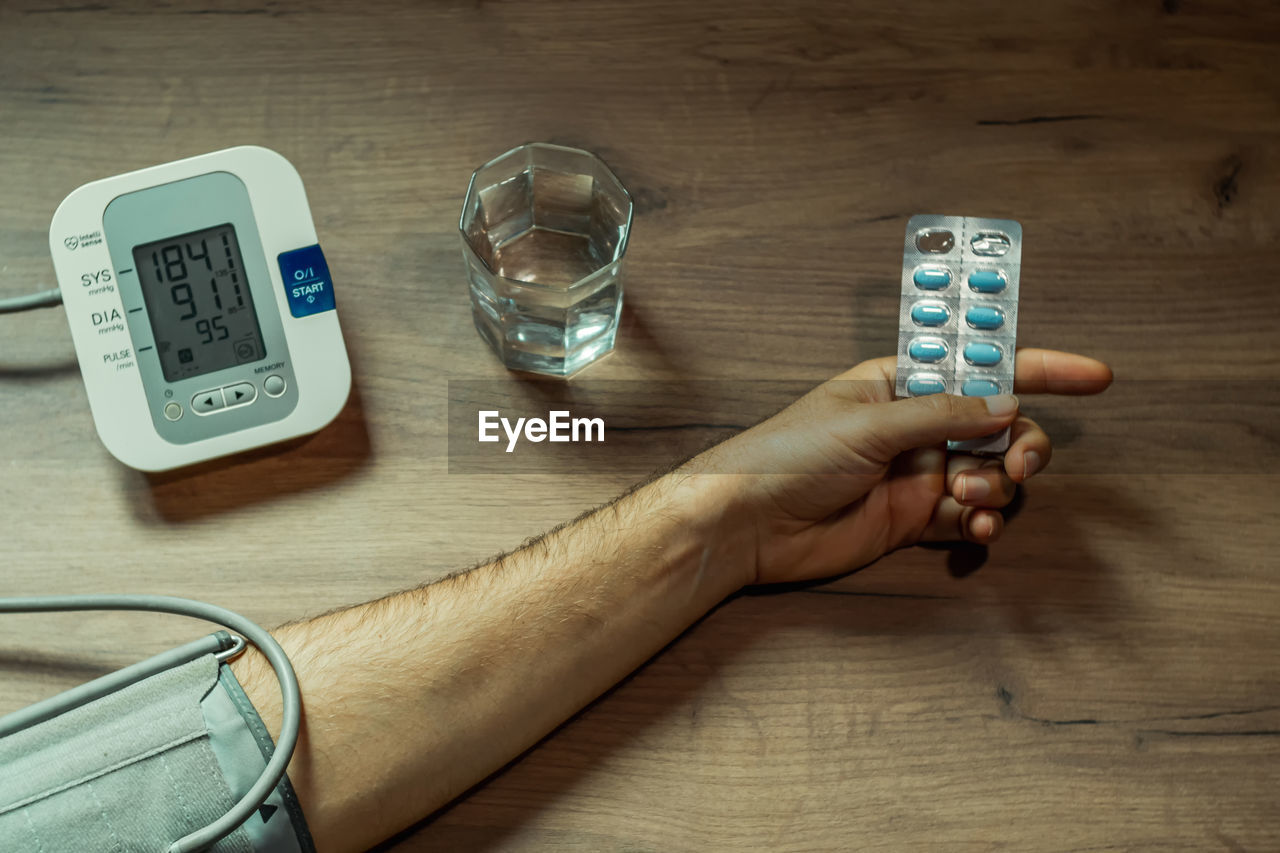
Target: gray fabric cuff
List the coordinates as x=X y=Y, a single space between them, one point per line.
x=143 y=766
x=243 y=747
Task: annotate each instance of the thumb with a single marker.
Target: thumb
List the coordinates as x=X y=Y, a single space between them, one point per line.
x=914 y=422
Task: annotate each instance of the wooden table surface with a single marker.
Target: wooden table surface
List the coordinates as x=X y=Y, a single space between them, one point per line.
x=1106 y=678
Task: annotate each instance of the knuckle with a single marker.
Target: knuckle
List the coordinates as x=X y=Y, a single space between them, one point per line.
x=944 y=405
x=874 y=439
x=960 y=408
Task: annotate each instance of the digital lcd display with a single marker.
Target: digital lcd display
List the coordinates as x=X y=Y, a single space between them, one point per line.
x=198 y=300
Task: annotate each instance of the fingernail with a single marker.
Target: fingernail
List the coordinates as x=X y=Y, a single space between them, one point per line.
x=1030 y=463
x=973 y=488
x=1001 y=404
x=988 y=527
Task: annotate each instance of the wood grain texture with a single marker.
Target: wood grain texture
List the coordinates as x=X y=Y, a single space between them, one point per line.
x=1104 y=679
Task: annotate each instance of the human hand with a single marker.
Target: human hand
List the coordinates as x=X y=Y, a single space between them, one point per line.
x=847 y=473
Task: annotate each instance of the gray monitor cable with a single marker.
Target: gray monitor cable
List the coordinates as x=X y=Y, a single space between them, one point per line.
x=220 y=644
x=44 y=299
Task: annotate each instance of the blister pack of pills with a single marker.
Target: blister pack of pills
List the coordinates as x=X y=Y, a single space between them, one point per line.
x=959 y=315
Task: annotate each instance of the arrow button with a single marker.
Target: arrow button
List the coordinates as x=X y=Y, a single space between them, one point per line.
x=240 y=394
x=207 y=401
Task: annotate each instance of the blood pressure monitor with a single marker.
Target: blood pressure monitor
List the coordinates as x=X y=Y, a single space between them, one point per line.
x=201 y=308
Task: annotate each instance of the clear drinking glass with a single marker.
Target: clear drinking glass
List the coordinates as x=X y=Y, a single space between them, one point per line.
x=544 y=230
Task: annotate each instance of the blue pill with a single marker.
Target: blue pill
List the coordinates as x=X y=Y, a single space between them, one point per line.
x=927 y=350
x=981 y=353
x=987 y=281
x=932 y=278
x=925 y=383
x=927 y=314
x=984 y=317
x=979 y=388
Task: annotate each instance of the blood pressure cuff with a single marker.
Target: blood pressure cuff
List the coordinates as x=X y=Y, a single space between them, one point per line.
x=140 y=768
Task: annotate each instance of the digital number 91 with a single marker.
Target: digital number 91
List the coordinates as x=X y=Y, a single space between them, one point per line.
x=171 y=266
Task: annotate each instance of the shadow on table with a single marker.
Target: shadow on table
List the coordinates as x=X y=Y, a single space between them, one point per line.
x=45 y=371
x=258 y=476
x=652 y=414
x=1070 y=580
x=29 y=662
x=55 y=673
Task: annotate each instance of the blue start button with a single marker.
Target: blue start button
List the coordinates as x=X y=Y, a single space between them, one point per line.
x=306 y=281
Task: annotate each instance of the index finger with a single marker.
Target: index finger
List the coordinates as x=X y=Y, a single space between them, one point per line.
x=1037 y=371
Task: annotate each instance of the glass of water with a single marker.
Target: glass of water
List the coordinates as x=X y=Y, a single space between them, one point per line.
x=544 y=231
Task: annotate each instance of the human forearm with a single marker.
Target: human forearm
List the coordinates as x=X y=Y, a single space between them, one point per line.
x=411 y=699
